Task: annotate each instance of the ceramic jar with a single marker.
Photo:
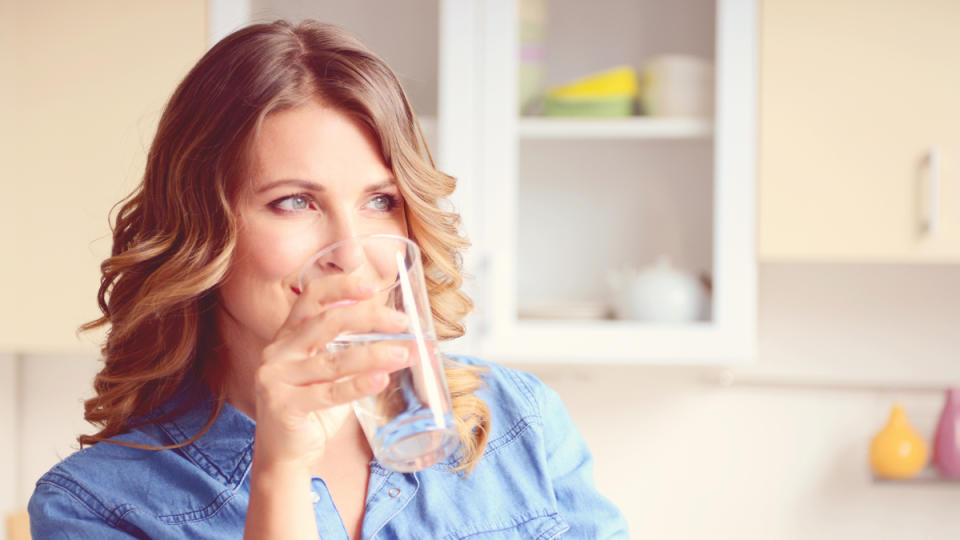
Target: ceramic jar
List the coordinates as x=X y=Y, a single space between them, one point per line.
x=946 y=445
x=897 y=451
x=657 y=293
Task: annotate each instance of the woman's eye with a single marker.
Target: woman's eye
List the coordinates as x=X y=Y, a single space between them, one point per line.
x=384 y=202
x=292 y=203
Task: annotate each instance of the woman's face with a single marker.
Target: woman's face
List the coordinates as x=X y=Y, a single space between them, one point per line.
x=316 y=177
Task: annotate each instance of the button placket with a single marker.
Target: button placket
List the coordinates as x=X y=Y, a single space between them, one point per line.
x=329 y=523
x=396 y=491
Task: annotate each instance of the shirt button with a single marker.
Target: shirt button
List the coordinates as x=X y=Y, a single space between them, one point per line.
x=315 y=497
x=394 y=492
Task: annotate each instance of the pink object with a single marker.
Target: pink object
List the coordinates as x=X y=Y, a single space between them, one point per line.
x=946 y=446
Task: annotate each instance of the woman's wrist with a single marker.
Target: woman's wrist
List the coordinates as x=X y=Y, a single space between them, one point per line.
x=274 y=470
x=280 y=503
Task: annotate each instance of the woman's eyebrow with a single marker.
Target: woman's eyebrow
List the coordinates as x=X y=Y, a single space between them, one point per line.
x=292 y=182
x=307 y=185
x=391 y=183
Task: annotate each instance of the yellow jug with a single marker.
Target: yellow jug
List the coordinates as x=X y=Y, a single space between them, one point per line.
x=898 y=451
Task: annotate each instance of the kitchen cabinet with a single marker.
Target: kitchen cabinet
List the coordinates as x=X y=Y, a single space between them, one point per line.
x=552 y=205
x=860 y=131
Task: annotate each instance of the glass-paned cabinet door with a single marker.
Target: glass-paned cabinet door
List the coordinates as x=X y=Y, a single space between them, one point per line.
x=614 y=176
x=597 y=209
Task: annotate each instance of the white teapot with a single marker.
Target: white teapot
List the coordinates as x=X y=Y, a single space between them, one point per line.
x=657 y=293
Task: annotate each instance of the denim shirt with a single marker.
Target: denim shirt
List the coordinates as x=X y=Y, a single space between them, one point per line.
x=533 y=481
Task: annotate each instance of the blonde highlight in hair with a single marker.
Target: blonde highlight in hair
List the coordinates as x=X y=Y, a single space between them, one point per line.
x=174 y=237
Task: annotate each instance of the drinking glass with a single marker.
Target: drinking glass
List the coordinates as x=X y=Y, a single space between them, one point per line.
x=409 y=424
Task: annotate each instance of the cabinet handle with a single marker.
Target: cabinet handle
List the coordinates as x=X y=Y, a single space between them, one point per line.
x=932 y=217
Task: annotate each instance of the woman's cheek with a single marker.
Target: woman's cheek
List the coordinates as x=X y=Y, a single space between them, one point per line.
x=285 y=257
x=282 y=246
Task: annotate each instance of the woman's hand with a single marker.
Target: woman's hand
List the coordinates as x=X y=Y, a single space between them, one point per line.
x=300 y=386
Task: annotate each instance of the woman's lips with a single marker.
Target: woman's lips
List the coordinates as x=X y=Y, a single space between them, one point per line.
x=338 y=303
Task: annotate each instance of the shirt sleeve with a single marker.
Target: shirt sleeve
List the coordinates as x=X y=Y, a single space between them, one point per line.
x=57 y=513
x=589 y=514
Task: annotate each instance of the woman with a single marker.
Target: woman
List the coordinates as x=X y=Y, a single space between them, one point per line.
x=219 y=416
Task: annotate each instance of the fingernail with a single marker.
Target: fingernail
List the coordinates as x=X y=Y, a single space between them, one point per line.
x=367 y=288
x=399 y=317
x=399 y=353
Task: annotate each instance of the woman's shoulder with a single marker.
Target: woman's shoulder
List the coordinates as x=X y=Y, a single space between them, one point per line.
x=114 y=484
x=535 y=477
x=522 y=408
x=106 y=469
x=96 y=483
x=92 y=461
x=511 y=391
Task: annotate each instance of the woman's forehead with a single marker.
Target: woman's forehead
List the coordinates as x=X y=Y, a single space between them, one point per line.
x=315 y=142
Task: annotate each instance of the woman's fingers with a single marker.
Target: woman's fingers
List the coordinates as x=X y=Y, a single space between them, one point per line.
x=377 y=357
x=299 y=375
x=320 y=294
x=312 y=336
x=316 y=397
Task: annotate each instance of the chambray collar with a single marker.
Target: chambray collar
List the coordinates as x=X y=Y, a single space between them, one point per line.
x=225 y=451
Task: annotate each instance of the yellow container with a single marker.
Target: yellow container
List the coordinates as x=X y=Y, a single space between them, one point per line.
x=619 y=82
x=897 y=451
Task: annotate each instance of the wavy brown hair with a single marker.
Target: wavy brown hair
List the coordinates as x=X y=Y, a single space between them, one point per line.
x=175 y=235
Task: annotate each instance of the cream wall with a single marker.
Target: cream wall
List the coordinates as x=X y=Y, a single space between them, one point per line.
x=82 y=89
x=8 y=137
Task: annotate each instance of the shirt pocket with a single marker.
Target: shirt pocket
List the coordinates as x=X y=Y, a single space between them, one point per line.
x=543 y=526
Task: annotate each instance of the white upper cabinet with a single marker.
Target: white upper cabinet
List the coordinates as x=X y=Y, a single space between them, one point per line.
x=556 y=206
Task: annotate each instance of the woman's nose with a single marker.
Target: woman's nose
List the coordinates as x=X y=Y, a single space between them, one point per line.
x=346 y=256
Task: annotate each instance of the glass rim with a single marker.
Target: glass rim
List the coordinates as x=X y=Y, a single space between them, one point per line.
x=411 y=245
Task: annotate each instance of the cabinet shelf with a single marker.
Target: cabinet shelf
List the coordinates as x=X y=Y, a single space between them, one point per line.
x=837 y=378
x=614 y=128
x=928 y=475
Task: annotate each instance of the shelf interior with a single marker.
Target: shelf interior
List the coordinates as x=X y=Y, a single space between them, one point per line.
x=591 y=209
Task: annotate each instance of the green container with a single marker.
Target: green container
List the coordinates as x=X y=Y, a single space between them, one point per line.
x=599 y=107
